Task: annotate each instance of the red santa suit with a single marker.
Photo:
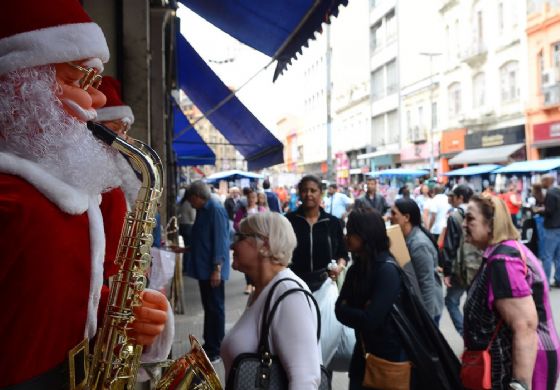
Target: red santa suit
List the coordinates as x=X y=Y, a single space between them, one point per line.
x=53 y=245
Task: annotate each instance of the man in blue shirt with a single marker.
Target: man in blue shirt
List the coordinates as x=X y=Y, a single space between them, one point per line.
x=209 y=262
x=271 y=197
x=336 y=203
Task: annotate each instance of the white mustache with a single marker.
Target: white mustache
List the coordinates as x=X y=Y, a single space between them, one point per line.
x=83 y=114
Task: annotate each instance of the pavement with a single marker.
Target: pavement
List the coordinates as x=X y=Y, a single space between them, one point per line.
x=192 y=321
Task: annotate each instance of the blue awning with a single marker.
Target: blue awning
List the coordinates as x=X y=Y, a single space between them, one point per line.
x=474 y=170
x=189 y=147
x=237 y=124
x=531 y=166
x=277 y=28
x=234 y=174
x=400 y=172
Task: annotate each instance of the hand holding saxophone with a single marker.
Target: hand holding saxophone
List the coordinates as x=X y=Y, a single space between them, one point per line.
x=150 y=317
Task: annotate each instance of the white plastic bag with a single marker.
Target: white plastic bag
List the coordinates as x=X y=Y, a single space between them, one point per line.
x=163 y=267
x=331 y=329
x=343 y=355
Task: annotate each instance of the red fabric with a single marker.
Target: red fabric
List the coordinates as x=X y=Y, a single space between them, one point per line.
x=30 y=15
x=111 y=88
x=44 y=281
x=113 y=210
x=513 y=209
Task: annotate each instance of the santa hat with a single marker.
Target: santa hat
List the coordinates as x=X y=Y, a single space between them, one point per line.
x=39 y=32
x=114 y=109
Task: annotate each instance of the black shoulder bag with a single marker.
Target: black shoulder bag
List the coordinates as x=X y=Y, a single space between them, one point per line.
x=262 y=370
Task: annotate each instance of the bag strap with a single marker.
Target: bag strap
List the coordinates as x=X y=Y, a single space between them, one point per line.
x=267 y=320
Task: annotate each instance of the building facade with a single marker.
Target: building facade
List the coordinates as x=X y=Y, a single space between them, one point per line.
x=543 y=103
x=483 y=81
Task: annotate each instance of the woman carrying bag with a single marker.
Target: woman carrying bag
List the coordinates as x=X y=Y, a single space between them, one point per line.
x=371 y=288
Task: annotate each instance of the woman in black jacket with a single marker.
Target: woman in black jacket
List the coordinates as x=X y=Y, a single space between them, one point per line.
x=372 y=285
x=319 y=236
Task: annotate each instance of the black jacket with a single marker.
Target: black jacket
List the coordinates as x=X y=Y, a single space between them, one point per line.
x=452 y=240
x=552 y=208
x=317 y=245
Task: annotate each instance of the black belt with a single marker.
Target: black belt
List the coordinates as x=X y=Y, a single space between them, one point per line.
x=55 y=379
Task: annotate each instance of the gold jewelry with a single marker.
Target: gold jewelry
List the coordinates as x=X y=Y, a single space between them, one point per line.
x=90 y=78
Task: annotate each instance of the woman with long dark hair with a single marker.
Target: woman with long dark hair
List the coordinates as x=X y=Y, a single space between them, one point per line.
x=372 y=285
x=423 y=254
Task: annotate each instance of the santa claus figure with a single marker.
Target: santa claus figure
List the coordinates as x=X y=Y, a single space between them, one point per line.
x=52 y=172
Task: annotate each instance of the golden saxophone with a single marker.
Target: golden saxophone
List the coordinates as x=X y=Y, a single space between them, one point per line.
x=116 y=356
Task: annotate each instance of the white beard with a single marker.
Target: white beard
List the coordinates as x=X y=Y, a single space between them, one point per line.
x=34 y=126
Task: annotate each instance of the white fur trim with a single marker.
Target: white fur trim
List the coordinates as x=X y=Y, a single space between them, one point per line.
x=67 y=198
x=159 y=350
x=53 y=45
x=97 y=246
x=114 y=113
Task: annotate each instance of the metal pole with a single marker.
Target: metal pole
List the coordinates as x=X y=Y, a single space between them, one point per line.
x=431 y=119
x=431 y=56
x=330 y=169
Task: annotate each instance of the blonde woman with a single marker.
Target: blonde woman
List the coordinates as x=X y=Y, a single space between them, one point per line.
x=509 y=298
x=262 y=250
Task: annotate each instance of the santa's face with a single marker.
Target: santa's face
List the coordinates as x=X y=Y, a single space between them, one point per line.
x=79 y=102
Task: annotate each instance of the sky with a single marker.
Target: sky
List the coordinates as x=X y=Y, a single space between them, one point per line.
x=266 y=100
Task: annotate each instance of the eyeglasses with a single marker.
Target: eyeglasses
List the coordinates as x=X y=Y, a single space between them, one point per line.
x=238 y=237
x=90 y=78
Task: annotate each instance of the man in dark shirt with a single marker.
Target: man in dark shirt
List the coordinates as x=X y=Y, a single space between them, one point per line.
x=551 y=250
x=372 y=199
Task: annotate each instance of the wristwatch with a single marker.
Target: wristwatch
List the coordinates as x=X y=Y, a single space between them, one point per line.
x=217 y=268
x=516 y=384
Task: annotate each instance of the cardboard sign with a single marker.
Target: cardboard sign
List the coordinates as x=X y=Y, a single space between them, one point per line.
x=398 y=246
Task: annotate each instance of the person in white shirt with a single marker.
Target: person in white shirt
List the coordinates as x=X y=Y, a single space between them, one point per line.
x=263 y=249
x=438 y=212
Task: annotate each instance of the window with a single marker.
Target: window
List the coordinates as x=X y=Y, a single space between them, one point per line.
x=434 y=115
x=391 y=25
x=420 y=116
x=478 y=90
x=447 y=43
x=454 y=98
x=556 y=54
x=479 y=29
x=409 y=124
x=377 y=84
x=508 y=81
x=375 y=36
x=392 y=79
x=501 y=17
x=540 y=68
x=393 y=126
x=378 y=130
x=457 y=39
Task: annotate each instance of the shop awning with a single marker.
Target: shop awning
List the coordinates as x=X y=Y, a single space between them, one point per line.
x=474 y=170
x=400 y=172
x=531 y=166
x=495 y=154
x=190 y=148
x=277 y=28
x=234 y=174
x=237 y=124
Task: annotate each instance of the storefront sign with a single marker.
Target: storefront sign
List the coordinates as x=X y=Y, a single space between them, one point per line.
x=492 y=140
x=505 y=136
x=546 y=131
x=453 y=141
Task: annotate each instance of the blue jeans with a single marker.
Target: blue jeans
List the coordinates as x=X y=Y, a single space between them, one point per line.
x=551 y=253
x=214 y=317
x=452 y=302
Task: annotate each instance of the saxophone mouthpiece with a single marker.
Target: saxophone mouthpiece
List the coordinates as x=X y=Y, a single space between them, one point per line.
x=102 y=132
